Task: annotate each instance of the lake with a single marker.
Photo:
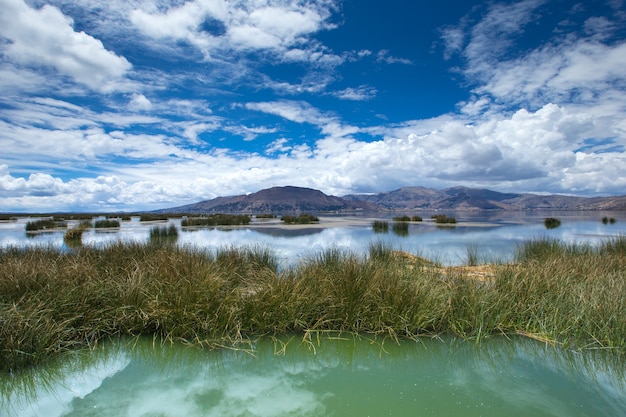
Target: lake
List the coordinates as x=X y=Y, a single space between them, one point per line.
x=350 y=377
x=493 y=236
x=354 y=376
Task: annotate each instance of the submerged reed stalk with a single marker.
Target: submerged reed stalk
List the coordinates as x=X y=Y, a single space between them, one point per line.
x=52 y=301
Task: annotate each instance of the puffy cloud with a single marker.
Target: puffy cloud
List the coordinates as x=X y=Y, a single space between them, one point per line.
x=526 y=151
x=579 y=71
x=139 y=102
x=548 y=118
x=45 y=37
x=244 y=25
x=546 y=150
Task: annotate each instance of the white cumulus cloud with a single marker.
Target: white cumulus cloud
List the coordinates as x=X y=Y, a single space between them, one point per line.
x=45 y=37
x=139 y=102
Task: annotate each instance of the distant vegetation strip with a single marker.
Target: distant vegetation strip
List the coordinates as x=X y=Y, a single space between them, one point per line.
x=443 y=219
x=216 y=220
x=265 y=216
x=301 y=219
x=106 y=224
x=406 y=218
x=44 y=224
x=52 y=302
x=150 y=217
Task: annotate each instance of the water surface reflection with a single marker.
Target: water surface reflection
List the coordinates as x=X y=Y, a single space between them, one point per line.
x=493 y=237
x=350 y=377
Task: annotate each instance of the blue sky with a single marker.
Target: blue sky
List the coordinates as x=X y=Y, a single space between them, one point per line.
x=144 y=104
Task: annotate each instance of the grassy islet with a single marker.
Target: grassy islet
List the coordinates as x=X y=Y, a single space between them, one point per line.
x=52 y=301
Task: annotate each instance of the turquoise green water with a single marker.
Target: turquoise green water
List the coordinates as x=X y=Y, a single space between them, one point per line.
x=352 y=377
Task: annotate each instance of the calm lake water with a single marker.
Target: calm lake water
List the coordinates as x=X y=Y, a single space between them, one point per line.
x=494 y=236
x=350 y=377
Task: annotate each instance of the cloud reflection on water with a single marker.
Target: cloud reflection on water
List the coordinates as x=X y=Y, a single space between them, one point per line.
x=495 y=239
x=353 y=376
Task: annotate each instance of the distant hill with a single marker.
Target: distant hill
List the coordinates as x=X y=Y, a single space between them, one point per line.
x=289 y=200
x=277 y=200
x=463 y=198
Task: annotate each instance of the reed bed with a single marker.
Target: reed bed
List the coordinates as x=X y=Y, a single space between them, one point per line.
x=52 y=302
x=401 y=228
x=443 y=219
x=216 y=220
x=75 y=234
x=301 y=219
x=44 y=224
x=380 y=226
x=551 y=222
x=106 y=224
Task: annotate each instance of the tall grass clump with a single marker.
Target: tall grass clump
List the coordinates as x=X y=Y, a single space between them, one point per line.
x=216 y=220
x=443 y=219
x=44 y=224
x=380 y=252
x=301 y=219
x=473 y=255
x=163 y=234
x=404 y=218
x=570 y=294
x=607 y=220
x=75 y=234
x=106 y=224
x=551 y=222
x=52 y=301
x=152 y=217
x=400 y=228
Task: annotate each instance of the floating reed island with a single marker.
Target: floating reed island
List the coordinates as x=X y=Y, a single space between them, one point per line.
x=53 y=302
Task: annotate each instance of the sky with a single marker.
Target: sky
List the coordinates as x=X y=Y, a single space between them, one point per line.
x=111 y=105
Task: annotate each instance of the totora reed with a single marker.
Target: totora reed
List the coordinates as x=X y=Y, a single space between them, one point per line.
x=52 y=302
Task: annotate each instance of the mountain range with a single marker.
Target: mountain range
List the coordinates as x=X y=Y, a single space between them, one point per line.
x=289 y=199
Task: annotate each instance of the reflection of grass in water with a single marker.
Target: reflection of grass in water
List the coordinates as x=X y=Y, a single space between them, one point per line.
x=380 y=226
x=52 y=302
x=317 y=359
x=400 y=228
x=25 y=387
